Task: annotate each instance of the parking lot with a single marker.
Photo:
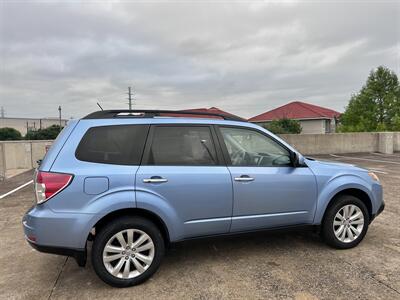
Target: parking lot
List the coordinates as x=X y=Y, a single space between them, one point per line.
x=277 y=265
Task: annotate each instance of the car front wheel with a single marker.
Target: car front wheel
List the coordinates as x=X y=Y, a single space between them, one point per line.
x=345 y=223
x=127 y=251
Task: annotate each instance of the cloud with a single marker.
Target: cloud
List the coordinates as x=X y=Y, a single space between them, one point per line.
x=244 y=57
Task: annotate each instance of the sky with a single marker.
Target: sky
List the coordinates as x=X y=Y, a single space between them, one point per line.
x=245 y=57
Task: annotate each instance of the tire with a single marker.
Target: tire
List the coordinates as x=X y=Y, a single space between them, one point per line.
x=143 y=259
x=348 y=213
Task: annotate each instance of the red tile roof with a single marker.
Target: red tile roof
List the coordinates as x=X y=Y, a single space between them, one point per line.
x=296 y=110
x=214 y=110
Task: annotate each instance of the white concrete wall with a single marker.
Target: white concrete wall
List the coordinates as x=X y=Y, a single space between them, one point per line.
x=344 y=142
x=2 y=162
x=20 y=155
x=396 y=141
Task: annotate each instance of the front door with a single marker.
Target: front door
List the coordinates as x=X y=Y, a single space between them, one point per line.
x=268 y=190
x=184 y=169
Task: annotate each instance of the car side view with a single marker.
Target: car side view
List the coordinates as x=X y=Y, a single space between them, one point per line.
x=135 y=181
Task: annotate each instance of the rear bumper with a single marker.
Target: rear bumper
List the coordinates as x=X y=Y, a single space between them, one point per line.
x=58 y=233
x=79 y=254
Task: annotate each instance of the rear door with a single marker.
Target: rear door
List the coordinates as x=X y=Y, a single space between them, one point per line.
x=268 y=190
x=182 y=165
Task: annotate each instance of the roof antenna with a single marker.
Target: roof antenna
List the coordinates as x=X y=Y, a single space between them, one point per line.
x=98 y=104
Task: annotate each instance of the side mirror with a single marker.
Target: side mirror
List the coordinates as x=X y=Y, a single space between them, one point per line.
x=294 y=158
x=301 y=160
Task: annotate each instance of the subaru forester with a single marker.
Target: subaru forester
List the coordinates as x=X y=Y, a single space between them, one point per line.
x=135 y=181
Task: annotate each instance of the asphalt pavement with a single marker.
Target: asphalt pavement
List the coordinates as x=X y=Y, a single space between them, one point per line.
x=264 y=265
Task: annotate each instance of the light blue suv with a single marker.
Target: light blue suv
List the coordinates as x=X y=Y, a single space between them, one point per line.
x=134 y=181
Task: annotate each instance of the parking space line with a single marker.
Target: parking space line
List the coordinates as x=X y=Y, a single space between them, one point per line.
x=377 y=171
x=16 y=189
x=379 y=154
x=367 y=159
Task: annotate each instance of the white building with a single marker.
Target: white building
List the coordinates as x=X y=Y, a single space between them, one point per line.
x=25 y=124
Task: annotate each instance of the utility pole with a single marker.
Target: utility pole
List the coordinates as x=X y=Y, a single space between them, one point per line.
x=130 y=98
x=59 y=114
x=2 y=112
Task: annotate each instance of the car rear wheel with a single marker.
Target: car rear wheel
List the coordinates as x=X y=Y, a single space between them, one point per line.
x=345 y=223
x=127 y=251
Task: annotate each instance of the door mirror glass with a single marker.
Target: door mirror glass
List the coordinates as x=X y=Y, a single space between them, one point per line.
x=294 y=157
x=251 y=148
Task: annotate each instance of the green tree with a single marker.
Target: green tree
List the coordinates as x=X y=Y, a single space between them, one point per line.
x=283 y=126
x=9 y=134
x=49 y=133
x=376 y=107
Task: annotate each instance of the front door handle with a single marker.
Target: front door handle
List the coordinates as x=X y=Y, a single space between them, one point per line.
x=244 y=178
x=155 y=179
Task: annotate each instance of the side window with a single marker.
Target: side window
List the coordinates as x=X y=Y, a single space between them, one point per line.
x=117 y=144
x=182 y=146
x=251 y=148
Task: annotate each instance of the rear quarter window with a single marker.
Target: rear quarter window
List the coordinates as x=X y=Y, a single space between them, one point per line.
x=116 y=144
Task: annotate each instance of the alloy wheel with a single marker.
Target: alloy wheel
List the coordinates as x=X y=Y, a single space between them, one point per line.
x=128 y=253
x=348 y=223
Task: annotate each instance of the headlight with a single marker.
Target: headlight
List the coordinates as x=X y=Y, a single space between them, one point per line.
x=373 y=176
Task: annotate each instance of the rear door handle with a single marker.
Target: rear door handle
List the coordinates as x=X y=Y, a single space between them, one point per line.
x=155 y=179
x=244 y=178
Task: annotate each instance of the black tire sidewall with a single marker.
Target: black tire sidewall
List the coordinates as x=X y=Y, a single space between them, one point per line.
x=327 y=224
x=112 y=228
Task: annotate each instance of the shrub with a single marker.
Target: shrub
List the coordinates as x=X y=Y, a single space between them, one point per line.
x=283 y=126
x=9 y=134
x=49 y=133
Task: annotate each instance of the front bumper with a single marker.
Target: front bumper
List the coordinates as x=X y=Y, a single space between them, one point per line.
x=378 y=204
x=57 y=233
x=379 y=211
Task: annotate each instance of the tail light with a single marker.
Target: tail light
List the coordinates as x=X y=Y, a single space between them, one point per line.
x=49 y=184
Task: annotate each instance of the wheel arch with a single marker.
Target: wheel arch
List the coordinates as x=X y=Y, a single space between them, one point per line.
x=355 y=192
x=134 y=212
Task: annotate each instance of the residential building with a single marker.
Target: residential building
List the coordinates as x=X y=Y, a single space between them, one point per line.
x=312 y=118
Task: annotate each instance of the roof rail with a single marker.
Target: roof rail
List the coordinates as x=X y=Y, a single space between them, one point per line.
x=145 y=113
